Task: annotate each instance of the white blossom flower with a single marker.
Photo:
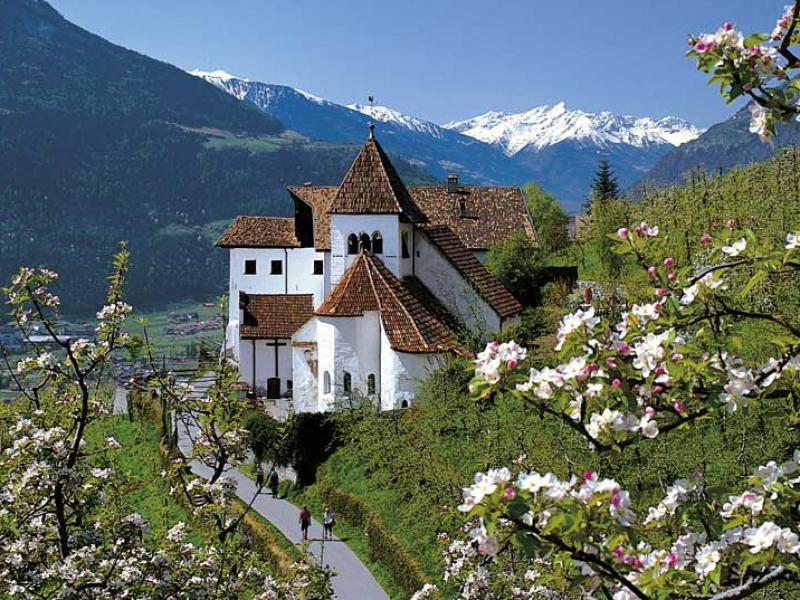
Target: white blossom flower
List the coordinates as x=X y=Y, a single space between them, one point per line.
x=736 y=248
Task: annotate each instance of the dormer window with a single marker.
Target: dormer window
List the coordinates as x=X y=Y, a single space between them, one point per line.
x=352 y=244
x=404 y=243
x=377 y=243
x=462 y=207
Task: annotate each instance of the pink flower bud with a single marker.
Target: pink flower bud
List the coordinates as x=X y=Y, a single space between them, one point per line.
x=660 y=371
x=592 y=367
x=509 y=494
x=619 y=552
x=672 y=276
x=650 y=411
x=653 y=272
x=615 y=498
x=512 y=364
x=493 y=346
x=679 y=407
x=706 y=239
x=661 y=292
x=669 y=262
x=657 y=389
x=588 y=475
x=727 y=26
x=677 y=357
x=672 y=559
x=615 y=383
x=639 y=231
x=623 y=233
x=624 y=349
x=611 y=362
x=731 y=223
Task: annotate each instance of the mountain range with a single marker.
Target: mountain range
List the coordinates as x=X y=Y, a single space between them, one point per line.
x=552 y=145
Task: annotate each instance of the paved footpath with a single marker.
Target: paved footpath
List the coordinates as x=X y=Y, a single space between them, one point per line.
x=352 y=581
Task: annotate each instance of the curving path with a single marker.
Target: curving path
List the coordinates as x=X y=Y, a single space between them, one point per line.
x=352 y=580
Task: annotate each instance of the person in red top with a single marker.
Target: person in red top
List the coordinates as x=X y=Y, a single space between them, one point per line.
x=305 y=522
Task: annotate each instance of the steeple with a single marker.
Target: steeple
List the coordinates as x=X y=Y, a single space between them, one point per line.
x=372 y=186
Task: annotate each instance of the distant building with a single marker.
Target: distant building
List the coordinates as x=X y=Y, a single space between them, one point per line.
x=362 y=291
x=575 y=224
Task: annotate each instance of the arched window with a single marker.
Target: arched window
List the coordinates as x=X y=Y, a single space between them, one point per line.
x=404 y=239
x=371 y=384
x=352 y=244
x=347 y=383
x=326 y=382
x=404 y=404
x=377 y=243
x=366 y=243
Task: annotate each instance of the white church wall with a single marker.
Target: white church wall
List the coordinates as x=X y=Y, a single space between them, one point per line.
x=348 y=345
x=300 y=269
x=447 y=284
x=343 y=225
x=265 y=363
x=402 y=373
x=305 y=368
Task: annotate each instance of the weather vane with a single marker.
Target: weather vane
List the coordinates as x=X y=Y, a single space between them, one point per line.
x=371 y=118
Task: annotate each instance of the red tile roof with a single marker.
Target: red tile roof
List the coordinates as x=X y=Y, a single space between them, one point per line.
x=259 y=232
x=274 y=315
x=373 y=186
x=410 y=323
x=320 y=199
x=479 y=216
x=473 y=271
x=490 y=215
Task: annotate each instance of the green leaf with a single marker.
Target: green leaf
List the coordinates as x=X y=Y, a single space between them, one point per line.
x=755 y=39
x=757 y=278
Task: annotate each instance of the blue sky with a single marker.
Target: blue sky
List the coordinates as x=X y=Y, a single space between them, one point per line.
x=443 y=59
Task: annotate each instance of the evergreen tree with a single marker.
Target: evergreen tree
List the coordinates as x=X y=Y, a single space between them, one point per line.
x=604 y=184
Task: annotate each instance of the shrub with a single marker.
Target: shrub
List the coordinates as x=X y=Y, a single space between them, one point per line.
x=383 y=547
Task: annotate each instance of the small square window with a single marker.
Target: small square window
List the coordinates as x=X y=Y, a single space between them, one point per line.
x=250 y=267
x=318 y=267
x=276 y=267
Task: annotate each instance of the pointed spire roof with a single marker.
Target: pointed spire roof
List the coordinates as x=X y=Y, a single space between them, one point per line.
x=411 y=323
x=372 y=186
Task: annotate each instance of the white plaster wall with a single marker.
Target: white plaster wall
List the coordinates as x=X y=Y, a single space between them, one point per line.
x=402 y=373
x=305 y=369
x=447 y=284
x=301 y=273
x=343 y=225
x=265 y=363
x=348 y=344
x=407 y=264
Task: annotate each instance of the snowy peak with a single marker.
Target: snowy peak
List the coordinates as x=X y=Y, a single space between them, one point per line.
x=261 y=94
x=550 y=124
x=384 y=114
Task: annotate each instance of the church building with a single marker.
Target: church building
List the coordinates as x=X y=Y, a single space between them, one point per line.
x=365 y=290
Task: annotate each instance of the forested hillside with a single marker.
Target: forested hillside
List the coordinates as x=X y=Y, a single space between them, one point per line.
x=100 y=144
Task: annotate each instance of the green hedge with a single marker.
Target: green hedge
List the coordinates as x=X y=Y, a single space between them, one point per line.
x=383 y=547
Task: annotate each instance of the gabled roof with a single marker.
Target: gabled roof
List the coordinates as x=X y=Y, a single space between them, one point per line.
x=473 y=271
x=319 y=198
x=274 y=315
x=410 y=323
x=479 y=216
x=490 y=214
x=373 y=186
x=260 y=232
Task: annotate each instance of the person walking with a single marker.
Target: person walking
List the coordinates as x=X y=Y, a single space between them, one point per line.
x=305 y=522
x=272 y=482
x=327 y=524
x=259 y=477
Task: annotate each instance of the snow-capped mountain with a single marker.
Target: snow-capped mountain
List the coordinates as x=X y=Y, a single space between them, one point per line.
x=545 y=126
x=384 y=114
x=551 y=145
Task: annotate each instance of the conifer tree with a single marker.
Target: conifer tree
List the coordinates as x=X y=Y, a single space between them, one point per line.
x=604 y=184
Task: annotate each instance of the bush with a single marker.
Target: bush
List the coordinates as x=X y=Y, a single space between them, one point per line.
x=309 y=439
x=383 y=547
x=264 y=433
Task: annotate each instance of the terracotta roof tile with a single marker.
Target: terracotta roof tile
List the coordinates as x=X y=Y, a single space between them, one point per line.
x=259 y=232
x=410 y=323
x=479 y=216
x=373 y=186
x=473 y=271
x=320 y=199
x=274 y=315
